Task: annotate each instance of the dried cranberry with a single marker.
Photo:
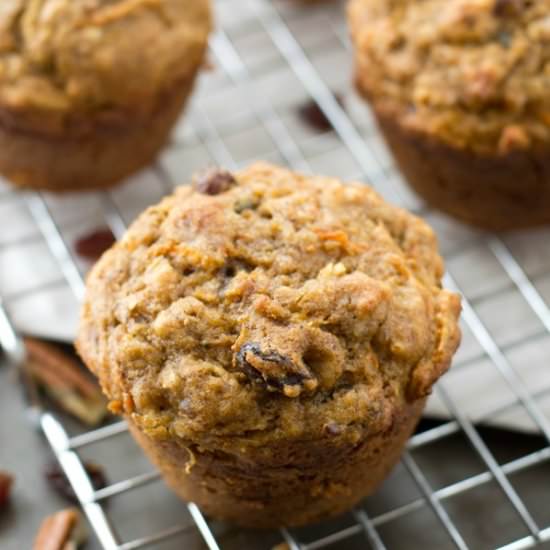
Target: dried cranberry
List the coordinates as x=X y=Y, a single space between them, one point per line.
x=94 y=244
x=58 y=481
x=315 y=117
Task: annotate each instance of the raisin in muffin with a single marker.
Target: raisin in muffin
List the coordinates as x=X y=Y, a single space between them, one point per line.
x=89 y=90
x=271 y=339
x=460 y=90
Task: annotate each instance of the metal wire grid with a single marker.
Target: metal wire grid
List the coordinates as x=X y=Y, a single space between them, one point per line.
x=275 y=21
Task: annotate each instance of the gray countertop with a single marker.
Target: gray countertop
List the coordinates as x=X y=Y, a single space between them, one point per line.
x=248 y=107
x=484 y=516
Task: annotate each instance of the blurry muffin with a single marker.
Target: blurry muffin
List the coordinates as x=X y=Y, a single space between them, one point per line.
x=460 y=90
x=89 y=90
x=271 y=339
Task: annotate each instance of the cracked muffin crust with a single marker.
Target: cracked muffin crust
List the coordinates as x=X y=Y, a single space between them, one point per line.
x=460 y=89
x=271 y=338
x=98 y=82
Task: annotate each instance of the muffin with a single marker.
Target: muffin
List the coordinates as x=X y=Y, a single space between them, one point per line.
x=271 y=339
x=90 y=90
x=460 y=91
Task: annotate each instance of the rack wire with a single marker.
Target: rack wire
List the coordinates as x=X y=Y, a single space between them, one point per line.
x=270 y=57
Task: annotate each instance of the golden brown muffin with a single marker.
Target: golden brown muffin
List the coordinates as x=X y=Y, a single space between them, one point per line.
x=460 y=89
x=271 y=339
x=90 y=89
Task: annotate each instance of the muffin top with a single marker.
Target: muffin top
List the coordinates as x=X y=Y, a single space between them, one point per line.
x=475 y=73
x=67 y=56
x=265 y=305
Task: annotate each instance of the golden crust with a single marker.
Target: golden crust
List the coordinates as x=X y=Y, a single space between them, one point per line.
x=269 y=311
x=62 y=61
x=471 y=73
x=271 y=338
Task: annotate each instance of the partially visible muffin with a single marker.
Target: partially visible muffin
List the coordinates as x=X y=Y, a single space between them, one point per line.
x=271 y=339
x=90 y=89
x=460 y=89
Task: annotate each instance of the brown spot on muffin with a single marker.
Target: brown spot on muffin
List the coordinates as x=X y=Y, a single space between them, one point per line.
x=503 y=8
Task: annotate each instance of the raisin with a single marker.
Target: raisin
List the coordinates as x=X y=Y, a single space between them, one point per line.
x=315 y=117
x=94 y=244
x=58 y=481
x=274 y=370
x=214 y=181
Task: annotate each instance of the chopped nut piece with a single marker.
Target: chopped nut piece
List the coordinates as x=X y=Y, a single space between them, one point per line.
x=61 y=485
x=6 y=483
x=65 y=382
x=61 y=531
x=246 y=203
x=213 y=181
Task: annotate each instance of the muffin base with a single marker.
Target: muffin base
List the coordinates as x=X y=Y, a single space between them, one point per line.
x=495 y=192
x=98 y=158
x=292 y=484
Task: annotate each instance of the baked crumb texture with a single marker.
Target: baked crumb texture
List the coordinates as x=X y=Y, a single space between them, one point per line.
x=460 y=88
x=271 y=338
x=91 y=82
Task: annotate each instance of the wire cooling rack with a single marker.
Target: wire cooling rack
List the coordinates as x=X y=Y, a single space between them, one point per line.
x=270 y=58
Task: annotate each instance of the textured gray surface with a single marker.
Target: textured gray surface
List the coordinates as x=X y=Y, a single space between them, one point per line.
x=247 y=108
x=483 y=515
x=24 y=452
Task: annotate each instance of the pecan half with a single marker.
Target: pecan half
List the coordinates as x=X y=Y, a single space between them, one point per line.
x=213 y=181
x=276 y=371
x=65 y=382
x=61 y=531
